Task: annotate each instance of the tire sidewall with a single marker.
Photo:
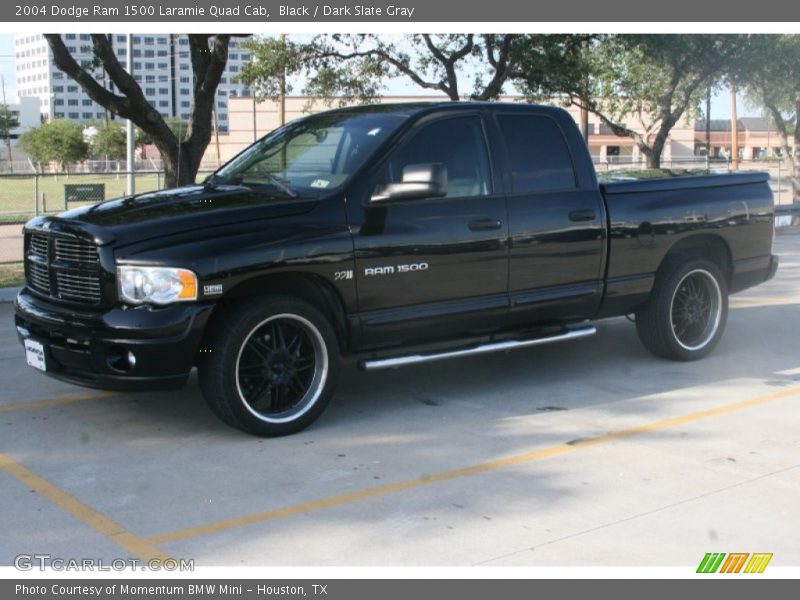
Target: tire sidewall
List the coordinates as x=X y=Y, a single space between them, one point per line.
x=231 y=336
x=665 y=291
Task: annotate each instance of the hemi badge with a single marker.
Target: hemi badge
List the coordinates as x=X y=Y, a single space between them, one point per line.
x=210 y=290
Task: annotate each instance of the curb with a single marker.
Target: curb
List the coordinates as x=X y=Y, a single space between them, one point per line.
x=8 y=294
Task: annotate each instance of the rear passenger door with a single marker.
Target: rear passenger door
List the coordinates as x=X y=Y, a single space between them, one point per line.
x=556 y=219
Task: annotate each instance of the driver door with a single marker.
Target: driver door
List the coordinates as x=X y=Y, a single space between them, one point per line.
x=433 y=268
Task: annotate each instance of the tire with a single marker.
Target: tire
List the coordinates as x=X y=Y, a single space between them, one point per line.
x=273 y=366
x=687 y=310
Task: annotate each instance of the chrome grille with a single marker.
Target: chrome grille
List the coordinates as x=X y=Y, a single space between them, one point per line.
x=75 y=251
x=39 y=245
x=78 y=287
x=39 y=277
x=64 y=268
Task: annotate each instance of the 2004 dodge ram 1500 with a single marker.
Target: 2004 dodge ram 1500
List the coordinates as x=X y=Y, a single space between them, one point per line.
x=395 y=234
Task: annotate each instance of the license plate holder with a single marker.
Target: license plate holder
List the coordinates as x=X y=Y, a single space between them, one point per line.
x=36 y=354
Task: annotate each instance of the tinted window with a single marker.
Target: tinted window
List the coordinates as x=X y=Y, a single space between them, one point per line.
x=457 y=143
x=538 y=155
x=318 y=152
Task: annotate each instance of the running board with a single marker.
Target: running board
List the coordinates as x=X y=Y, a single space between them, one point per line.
x=412 y=359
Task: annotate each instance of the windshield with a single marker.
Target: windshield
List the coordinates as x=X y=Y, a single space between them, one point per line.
x=313 y=154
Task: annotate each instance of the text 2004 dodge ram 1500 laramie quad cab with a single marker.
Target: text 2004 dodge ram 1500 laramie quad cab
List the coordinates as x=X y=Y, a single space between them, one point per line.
x=395 y=234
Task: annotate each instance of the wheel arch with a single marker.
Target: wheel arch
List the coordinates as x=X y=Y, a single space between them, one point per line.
x=312 y=288
x=702 y=245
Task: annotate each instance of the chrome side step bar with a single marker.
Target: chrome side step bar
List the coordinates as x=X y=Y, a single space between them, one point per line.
x=412 y=359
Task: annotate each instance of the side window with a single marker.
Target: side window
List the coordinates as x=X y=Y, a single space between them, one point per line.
x=538 y=155
x=458 y=143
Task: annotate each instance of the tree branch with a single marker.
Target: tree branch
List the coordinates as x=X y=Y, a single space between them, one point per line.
x=119 y=105
x=501 y=64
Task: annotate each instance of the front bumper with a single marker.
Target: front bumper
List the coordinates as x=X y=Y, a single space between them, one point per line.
x=80 y=345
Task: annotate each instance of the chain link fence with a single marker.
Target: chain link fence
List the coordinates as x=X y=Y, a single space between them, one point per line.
x=780 y=181
x=25 y=192
x=24 y=195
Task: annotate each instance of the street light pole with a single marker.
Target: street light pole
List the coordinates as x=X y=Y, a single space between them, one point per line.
x=131 y=135
x=283 y=83
x=734 y=129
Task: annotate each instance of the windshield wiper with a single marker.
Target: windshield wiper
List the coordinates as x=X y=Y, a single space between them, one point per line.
x=239 y=180
x=280 y=184
x=211 y=181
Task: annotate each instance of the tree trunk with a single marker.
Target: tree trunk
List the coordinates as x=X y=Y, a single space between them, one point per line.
x=180 y=164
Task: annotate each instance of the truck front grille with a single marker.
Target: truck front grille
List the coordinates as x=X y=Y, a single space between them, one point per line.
x=39 y=278
x=76 y=251
x=65 y=269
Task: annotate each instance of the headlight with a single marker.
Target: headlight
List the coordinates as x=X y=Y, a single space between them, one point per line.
x=156 y=285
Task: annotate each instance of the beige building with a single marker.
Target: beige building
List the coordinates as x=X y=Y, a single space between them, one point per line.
x=249 y=120
x=756 y=136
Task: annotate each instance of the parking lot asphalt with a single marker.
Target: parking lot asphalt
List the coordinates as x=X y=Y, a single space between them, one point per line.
x=592 y=452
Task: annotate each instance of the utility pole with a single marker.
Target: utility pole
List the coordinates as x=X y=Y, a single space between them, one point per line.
x=131 y=135
x=255 y=134
x=8 y=127
x=584 y=114
x=769 y=135
x=283 y=83
x=734 y=129
x=708 y=124
x=216 y=132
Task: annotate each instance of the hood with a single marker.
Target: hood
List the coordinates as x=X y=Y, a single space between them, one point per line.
x=168 y=212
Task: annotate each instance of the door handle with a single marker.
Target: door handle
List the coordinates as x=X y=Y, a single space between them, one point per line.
x=484 y=224
x=586 y=214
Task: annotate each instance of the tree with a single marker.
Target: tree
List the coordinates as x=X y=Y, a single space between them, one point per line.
x=110 y=141
x=181 y=156
x=274 y=61
x=8 y=122
x=650 y=79
x=32 y=143
x=355 y=67
x=60 y=141
x=432 y=62
x=771 y=79
x=178 y=126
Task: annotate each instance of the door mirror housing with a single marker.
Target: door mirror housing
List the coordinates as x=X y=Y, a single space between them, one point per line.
x=428 y=180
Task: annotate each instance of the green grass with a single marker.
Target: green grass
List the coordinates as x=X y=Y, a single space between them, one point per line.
x=12 y=275
x=17 y=192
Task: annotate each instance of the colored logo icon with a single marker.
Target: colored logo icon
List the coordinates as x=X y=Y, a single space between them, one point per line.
x=735 y=562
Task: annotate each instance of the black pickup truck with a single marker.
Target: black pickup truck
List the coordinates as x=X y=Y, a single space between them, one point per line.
x=394 y=234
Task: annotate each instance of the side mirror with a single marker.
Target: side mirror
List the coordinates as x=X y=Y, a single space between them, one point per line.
x=427 y=180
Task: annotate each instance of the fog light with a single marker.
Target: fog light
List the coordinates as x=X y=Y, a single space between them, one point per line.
x=120 y=360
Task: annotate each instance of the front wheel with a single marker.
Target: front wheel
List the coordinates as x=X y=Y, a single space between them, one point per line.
x=272 y=368
x=687 y=311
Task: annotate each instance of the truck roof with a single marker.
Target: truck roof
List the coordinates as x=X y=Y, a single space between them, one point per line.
x=417 y=107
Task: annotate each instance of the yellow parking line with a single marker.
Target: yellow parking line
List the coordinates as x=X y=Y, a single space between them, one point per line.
x=50 y=402
x=492 y=465
x=744 y=302
x=97 y=521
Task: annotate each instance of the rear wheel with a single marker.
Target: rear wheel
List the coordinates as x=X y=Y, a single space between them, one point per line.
x=687 y=311
x=273 y=366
